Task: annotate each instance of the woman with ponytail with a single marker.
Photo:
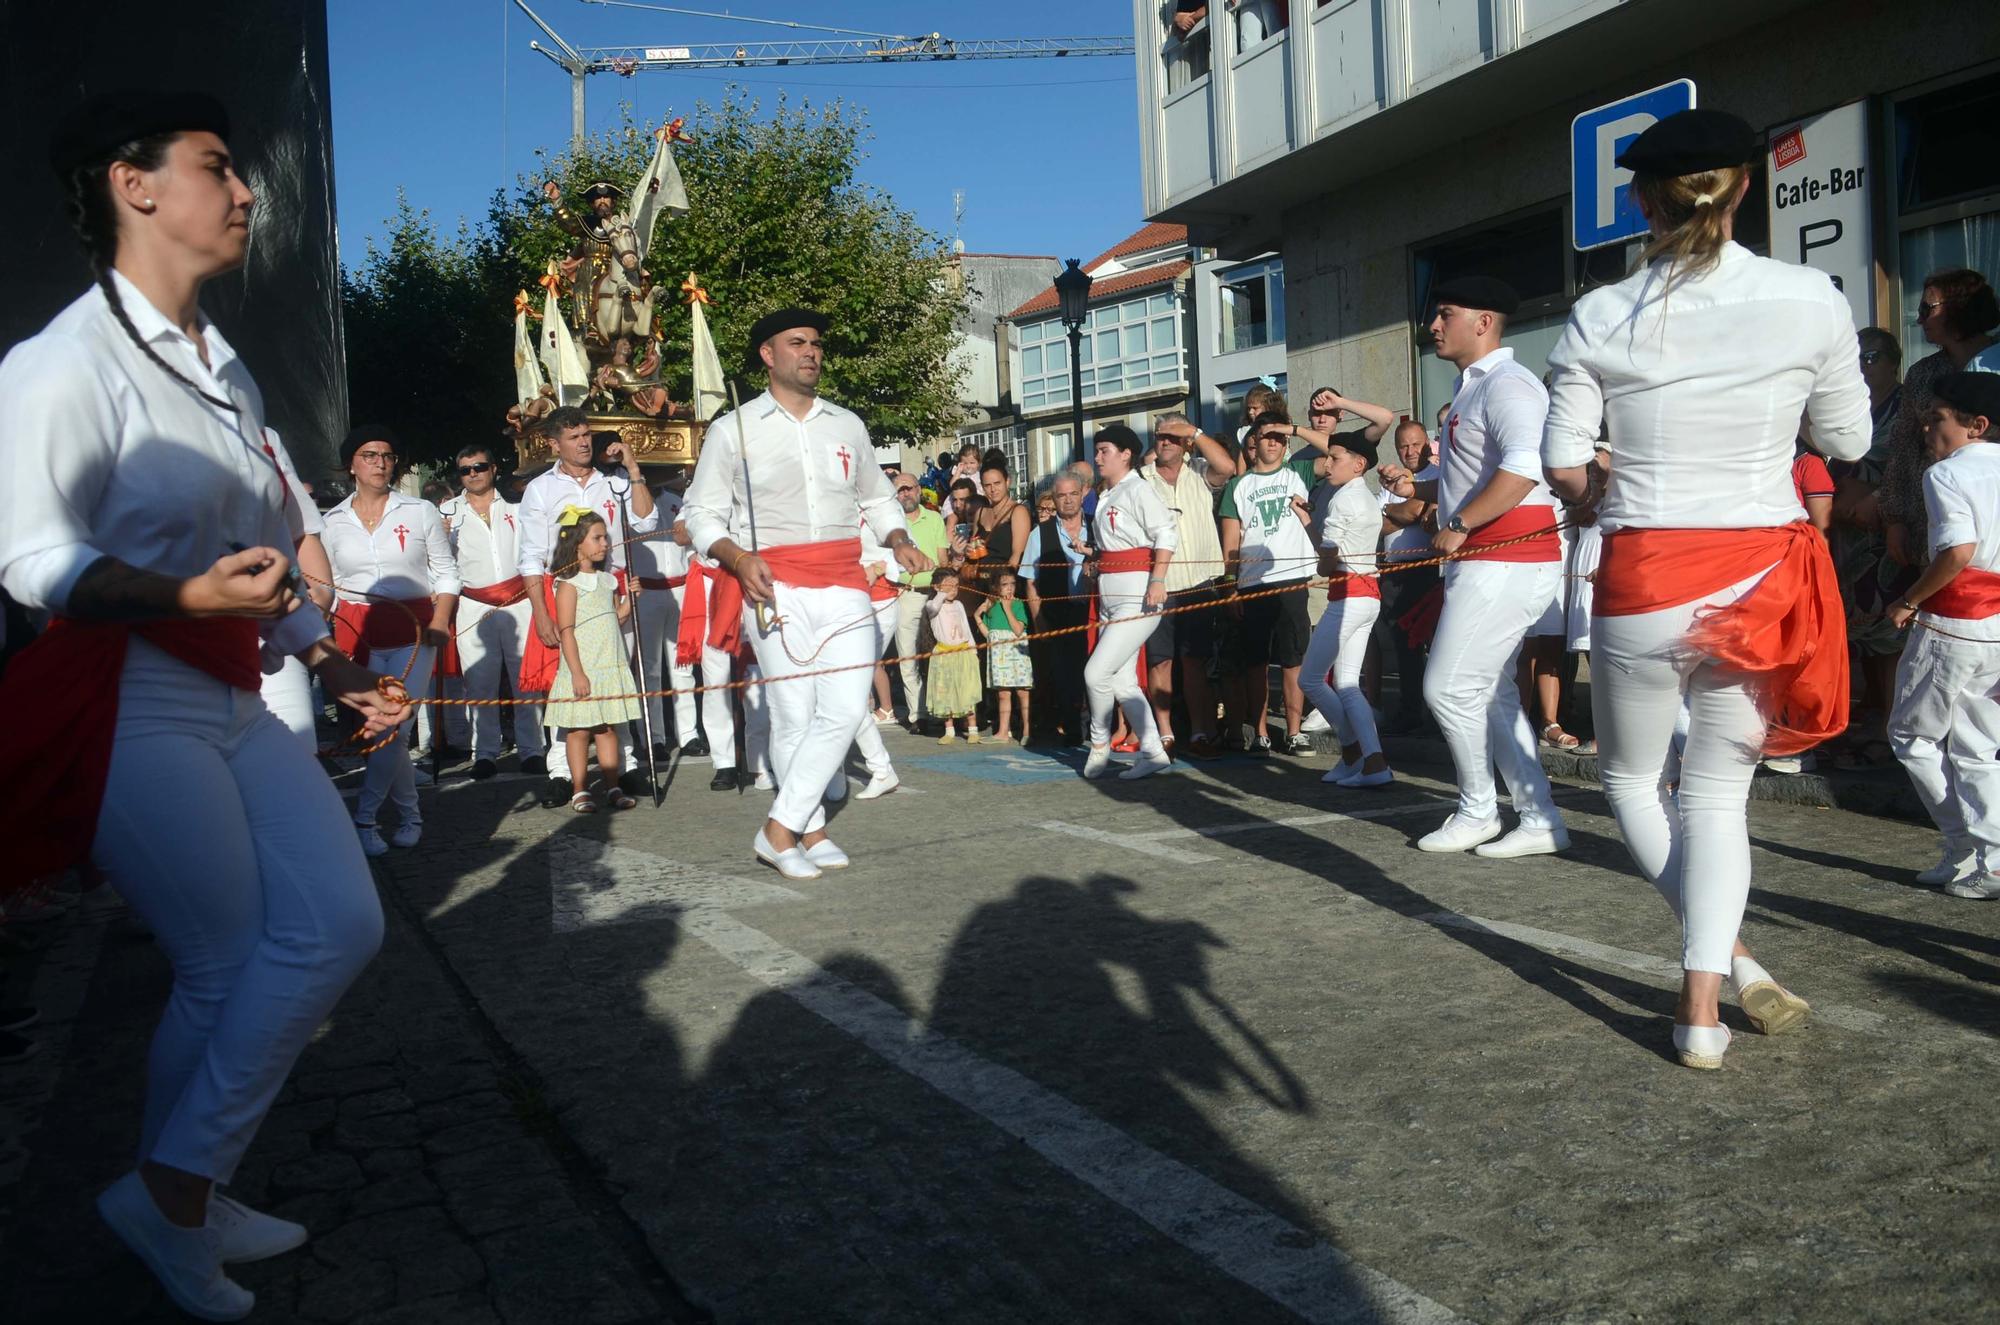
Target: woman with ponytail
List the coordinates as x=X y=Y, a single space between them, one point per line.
x=1713 y=586
x=141 y=504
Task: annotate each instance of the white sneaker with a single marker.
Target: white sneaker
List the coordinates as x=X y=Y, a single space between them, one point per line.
x=1983 y=886
x=878 y=786
x=1360 y=779
x=827 y=856
x=1786 y=764
x=836 y=790
x=408 y=833
x=1525 y=841
x=1315 y=721
x=764 y=783
x=791 y=862
x=1340 y=773
x=1146 y=765
x=1952 y=866
x=184 y=1260
x=243 y=1234
x=1460 y=834
x=371 y=840
x=1098 y=762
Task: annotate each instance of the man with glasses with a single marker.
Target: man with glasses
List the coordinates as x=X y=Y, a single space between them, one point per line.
x=493 y=613
x=927 y=531
x=1188 y=468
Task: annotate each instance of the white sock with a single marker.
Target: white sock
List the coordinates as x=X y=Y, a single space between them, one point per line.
x=1744 y=972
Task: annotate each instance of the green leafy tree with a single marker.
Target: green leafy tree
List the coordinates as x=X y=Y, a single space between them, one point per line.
x=776 y=218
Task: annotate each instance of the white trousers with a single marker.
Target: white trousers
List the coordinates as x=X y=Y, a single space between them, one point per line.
x=910 y=620
x=814 y=718
x=490 y=640
x=1111 y=677
x=1945 y=728
x=1340 y=645
x=390 y=775
x=1469 y=684
x=659 y=612
x=868 y=736
x=1694 y=846
x=228 y=840
x=288 y=693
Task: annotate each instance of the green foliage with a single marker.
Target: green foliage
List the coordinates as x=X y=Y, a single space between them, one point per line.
x=776 y=219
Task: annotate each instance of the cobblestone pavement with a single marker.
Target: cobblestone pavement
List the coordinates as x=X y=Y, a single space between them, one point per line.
x=1217 y=1046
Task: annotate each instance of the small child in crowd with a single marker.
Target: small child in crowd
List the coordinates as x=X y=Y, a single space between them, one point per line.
x=1009 y=670
x=952 y=680
x=589 y=610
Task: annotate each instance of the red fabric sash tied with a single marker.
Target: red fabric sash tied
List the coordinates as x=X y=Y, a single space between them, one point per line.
x=1352 y=585
x=359 y=627
x=1522 y=520
x=664 y=584
x=539 y=661
x=1126 y=561
x=1970 y=595
x=503 y=594
x=713 y=607
x=1787 y=636
x=62 y=694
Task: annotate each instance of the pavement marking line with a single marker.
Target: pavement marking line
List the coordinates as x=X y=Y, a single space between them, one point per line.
x=592 y=884
x=1130 y=841
x=1666 y=972
x=1297 y=821
x=1292 y=1267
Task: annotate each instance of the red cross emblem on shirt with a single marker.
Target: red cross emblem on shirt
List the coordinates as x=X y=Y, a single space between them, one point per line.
x=1111 y=517
x=402 y=534
x=509 y=519
x=845 y=456
x=610 y=511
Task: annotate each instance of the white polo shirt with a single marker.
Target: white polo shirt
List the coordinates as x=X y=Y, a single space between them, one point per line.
x=1498 y=410
x=1353 y=526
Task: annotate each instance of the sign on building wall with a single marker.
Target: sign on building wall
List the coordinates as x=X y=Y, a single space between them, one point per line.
x=1819 y=186
x=1602 y=210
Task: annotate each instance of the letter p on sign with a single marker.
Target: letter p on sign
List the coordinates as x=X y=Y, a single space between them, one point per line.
x=1601 y=207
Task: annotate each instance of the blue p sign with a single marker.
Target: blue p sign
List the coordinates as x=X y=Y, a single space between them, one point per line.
x=1601 y=207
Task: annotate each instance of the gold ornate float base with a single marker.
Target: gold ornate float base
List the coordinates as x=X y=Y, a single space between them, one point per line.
x=654 y=441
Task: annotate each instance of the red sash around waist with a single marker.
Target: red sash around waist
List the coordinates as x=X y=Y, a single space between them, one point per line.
x=1522 y=520
x=539 y=661
x=1970 y=595
x=662 y=582
x=503 y=594
x=61 y=694
x=1788 y=635
x=834 y=564
x=1125 y=561
x=1352 y=585
x=713 y=608
x=360 y=627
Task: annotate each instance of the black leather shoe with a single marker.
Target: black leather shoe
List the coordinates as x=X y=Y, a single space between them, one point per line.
x=724 y=780
x=535 y=764
x=482 y=769
x=694 y=749
x=556 y=793
x=633 y=783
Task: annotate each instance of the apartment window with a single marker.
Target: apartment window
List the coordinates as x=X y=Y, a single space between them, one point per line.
x=1258 y=19
x=1186 y=53
x=1229 y=399
x=1128 y=346
x=1010 y=442
x=1251 y=306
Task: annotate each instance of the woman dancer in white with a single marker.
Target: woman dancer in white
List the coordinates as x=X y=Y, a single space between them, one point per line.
x=397 y=583
x=1136 y=536
x=140 y=504
x=1353 y=602
x=1712 y=585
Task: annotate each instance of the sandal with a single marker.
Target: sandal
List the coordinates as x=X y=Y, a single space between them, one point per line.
x=618 y=798
x=583 y=803
x=1562 y=740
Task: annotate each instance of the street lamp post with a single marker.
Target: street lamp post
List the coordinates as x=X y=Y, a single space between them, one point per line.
x=1073 y=289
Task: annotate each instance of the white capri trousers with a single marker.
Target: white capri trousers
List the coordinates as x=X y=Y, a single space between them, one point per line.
x=659 y=612
x=1945 y=728
x=1693 y=847
x=1111 y=677
x=227 y=839
x=1489 y=607
x=813 y=719
x=490 y=640
x=1340 y=645
x=391 y=776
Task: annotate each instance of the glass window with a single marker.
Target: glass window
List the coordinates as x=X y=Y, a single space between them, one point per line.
x=1126 y=346
x=1944 y=145
x=1251 y=304
x=1185 y=54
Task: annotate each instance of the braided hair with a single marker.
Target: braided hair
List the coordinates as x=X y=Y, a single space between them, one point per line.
x=95 y=220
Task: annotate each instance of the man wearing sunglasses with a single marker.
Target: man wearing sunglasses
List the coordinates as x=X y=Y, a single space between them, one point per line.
x=494 y=617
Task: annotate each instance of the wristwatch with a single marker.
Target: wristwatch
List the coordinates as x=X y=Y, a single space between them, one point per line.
x=1456 y=525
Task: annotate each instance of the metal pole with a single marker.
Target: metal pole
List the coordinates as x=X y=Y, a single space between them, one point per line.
x=639 y=644
x=1076 y=393
x=576 y=76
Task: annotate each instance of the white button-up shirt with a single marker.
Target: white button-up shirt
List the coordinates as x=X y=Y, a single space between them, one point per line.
x=407 y=556
x=1498 y=409
x=489 y=549
x=659 y=557
x=106 y=455
x=810 y=480
x=1701 y=391
x=1353 y=526
x=1962 y=499
x=541 y=511
x=1131 y=515
x=1198 y=557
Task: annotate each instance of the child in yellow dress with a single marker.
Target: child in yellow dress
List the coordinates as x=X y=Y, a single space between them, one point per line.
x=589 y=610
x=951 y=690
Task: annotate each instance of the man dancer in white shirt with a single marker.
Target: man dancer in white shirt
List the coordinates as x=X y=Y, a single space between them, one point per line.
x=1135 y=535
x=1489 y=491
x=780 y=493
x=574 y=481
x=661 y=563
x=493 y=613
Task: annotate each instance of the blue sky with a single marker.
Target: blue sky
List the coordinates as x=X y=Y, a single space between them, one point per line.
x=445 y=100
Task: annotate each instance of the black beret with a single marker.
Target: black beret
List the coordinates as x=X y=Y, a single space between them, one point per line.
x=784 y=319
x=359 y=437
x=1971 y=393
x=1691 y=141
x=1486 y=293
x=109 y=120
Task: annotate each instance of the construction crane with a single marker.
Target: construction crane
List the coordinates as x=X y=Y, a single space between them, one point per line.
x=858 y=48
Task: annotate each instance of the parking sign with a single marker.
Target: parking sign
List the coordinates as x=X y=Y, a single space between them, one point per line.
x=1601 y=207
